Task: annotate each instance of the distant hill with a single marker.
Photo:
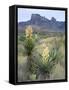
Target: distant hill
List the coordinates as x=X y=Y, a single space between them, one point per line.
x=42 y=24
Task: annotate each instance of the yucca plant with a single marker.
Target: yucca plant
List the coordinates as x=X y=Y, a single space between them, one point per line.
x=29 y=43
x=45 y=62
x=29 y=40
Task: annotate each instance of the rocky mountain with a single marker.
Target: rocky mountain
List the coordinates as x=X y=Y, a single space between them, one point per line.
x=42 y=24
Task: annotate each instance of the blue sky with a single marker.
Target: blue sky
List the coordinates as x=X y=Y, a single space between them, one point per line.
x=24 y=14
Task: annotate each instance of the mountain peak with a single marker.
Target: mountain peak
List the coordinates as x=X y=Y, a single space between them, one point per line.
x=53 y=19
x=38 y=19
x=35 y=17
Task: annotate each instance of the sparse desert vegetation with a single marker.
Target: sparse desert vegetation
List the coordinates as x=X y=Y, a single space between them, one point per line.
x=41 y=56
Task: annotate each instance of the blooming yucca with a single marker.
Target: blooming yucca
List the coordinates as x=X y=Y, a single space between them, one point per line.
x=29 y=32
x=29 y=40
x=45 y=54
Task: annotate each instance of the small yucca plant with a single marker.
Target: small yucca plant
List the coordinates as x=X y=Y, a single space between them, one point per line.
x=29 y=40
x=45 y=61
x=48 y=60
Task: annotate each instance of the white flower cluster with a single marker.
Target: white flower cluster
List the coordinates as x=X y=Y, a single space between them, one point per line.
x=29 y=32
x=45 y=54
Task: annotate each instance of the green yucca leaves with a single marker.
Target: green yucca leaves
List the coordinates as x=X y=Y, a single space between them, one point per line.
x=29 y=45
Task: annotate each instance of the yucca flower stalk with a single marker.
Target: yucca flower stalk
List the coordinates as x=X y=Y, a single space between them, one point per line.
x=29 y=32
x=29 y=41
x=45 y=55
